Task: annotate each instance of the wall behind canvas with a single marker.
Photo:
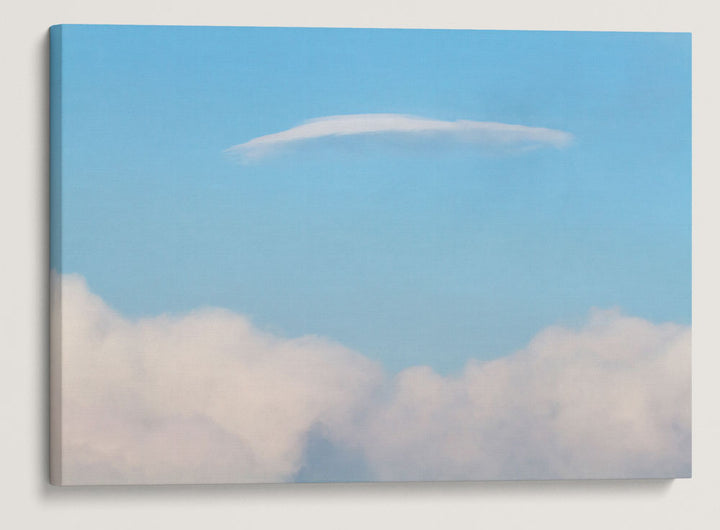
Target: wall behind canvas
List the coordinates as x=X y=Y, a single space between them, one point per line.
x=30 y=503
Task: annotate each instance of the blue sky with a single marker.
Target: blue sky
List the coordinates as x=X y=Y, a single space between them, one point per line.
x=409 y=254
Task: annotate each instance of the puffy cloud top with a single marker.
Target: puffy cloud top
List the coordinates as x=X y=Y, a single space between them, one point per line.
x=206 y=397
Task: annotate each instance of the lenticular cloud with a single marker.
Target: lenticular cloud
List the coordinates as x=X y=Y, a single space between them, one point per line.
x=207 y=397
x=387 y=127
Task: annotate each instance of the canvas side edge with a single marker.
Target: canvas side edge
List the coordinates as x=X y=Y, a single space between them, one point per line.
x=55 y=317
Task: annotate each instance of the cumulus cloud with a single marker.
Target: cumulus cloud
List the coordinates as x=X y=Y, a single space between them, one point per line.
x=425 y=131
x=207 y=397
x=200 y=398
x=609 y=400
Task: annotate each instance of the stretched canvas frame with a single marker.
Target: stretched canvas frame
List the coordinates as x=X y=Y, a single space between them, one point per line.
x=304 y=254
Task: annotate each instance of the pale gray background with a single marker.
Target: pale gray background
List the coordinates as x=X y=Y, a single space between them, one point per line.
x=27 y=501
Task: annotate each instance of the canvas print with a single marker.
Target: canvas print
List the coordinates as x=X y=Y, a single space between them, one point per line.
x=341 y=255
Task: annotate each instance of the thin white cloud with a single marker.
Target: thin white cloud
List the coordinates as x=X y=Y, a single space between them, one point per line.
x=487 y=135
x=207 y=398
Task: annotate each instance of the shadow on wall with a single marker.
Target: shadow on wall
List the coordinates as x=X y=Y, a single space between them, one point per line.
x=649 y=488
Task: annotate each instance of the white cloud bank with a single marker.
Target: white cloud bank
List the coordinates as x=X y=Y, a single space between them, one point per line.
x=486 y=135
x=206 y=397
